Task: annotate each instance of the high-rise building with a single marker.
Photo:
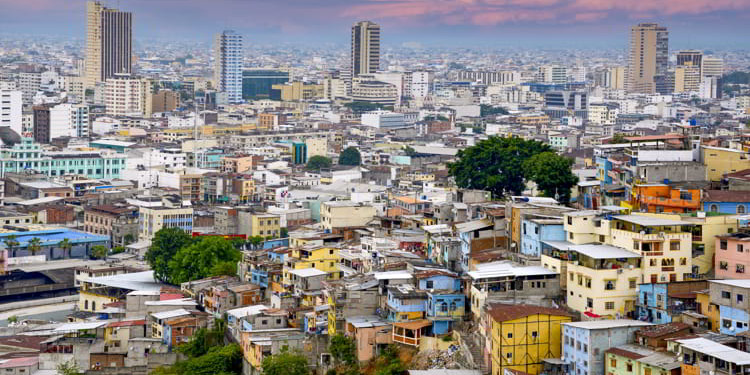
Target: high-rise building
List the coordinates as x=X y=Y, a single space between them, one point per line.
x=615 y=78
x=228 y=61
x=687 y=78
x=365 y=48
x=552 y=74
x=109 y=43
x=649 y=58
x=712 y=67
x=11 y=109
x=128 y=96
x=689 y=58
x=60 y=120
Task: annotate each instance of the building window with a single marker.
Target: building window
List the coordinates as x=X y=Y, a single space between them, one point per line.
x=726 y=323
x=714 y=208
x=632 y=283
x=723 y=244
x=740 y=268
x=589 y=303
x=429 y=284
x=723 y=265
x=612 y=363
x=609 y=305
x=674 y=245
x=740 y=298
x=726 y=295
x=740 y=209
x=630 y=367
x=740 y=248
x=510 y=335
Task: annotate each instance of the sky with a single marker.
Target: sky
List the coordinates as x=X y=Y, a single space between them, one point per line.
x=532 y=23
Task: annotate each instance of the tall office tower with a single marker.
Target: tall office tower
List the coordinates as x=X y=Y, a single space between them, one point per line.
x=649 y=58
x=11 y=106
x=552 y=74
x=689 y=58
x=109 y=43
x=615 y=78
x=365 y=48
x=712 y=67
x=228 y=61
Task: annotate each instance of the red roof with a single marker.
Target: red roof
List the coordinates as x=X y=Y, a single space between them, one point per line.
x=19 y=362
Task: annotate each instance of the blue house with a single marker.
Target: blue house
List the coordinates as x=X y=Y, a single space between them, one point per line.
x=659 y=303
x=437 y=279
x=726 y=201
x=732 y=298
x=534 y=231
x=405 y=303
x=603 y=166
x=444 y=307
x=584 y=343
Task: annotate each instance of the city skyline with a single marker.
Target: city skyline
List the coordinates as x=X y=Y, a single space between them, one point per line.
x=537 y=23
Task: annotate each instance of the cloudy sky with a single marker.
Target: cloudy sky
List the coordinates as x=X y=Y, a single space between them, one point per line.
x=698 y=23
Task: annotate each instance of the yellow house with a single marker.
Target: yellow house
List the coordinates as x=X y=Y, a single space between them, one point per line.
x=720 y=160
x=265 y=225
x=523 y=336
x=343 y=214
x=322 y=258
x=708 y=308
x=93 y=302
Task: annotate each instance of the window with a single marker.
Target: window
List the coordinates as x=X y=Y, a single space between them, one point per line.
x=674 y=245
x=570 y=235
x=740 y=298
x=585 y=348
x=510 y=335
x=612 y=363
x=609 y=305
x=636 y=245
x=683 y=261
x=601 y=238
x=740 y=268
x=723 y=244
x=589 y=303
x=723 y=265
x=429 y=284
x=570 y=220
x=740 y=248
x=726 y=295
x=632 y=283
x=509 y=355
x=609 y=284
x=714 y=208
x=726 y=323
x=534 y=334
x=740 y=209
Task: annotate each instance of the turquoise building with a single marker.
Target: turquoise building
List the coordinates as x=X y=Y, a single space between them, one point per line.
x=29 y=155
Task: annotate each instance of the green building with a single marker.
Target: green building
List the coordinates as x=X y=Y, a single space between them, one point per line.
x=256 y=83
x=29 y=155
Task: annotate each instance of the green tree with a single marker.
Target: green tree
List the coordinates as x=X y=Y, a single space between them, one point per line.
x=284 y=233
x=495 y=164
x=552 y=174
x=350 y=156
x=256 y=242
x=68 y=368
x=318 y=162
x=66 y=246
x=488 y=110
x=343 y=349
x=389 y=363
x=164 y=246
x=198 y=260
x=224 y=269
x=285 y=363
x=409 y=151
x=128 y=239
x=11 y=243
x=13 y=319
x=118 y=250
x=204 y=339
x=618 y=138
x=359 y=108
x=35 y=245
x=99 y=252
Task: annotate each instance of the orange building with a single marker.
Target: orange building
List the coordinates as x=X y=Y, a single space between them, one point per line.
x=665 y=198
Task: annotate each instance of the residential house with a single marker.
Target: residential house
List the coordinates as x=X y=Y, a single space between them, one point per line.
x=585 y=343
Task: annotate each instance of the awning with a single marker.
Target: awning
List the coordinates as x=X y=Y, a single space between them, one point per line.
x=416 y=324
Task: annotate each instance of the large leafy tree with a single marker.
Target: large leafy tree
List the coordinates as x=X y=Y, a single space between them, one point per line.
x=318 y=162
x=200 y=259
x=164 y=246
x=350 y=156
x=552 y=175
x=495 y=164
x=99 y=252
x=343 y=349
x=285 y=363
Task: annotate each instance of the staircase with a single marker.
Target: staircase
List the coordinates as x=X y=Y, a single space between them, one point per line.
x=471 y=341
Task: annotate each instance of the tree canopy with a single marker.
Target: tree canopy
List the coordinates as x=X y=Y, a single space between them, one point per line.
x=488 y=110
x=552 y=175
x=318 y=162
x=343 y=349
x=502 y=166
x=285 y=363
x=99 y=252
x=163 y=248
x=201 y=259
x=618 y=138
x=350 y=156
x=362 y=107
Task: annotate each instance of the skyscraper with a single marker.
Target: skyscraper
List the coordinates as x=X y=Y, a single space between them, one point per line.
x=649 y=58
x=228 y=61
x=109 y=43
x=365 y=48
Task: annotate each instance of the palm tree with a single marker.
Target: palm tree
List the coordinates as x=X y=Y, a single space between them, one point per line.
x=66 y=246
x=11 y=243
x=35 y=245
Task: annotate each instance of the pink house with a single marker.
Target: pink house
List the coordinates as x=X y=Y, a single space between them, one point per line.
x=732 y=258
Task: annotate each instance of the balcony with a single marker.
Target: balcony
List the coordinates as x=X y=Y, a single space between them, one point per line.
x=667 y=269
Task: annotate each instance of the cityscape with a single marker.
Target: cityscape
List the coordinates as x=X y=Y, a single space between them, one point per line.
x=378 y=187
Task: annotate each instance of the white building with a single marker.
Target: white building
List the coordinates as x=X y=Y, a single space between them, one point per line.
x=421 y=84
x=11 y=105
x=383 y=119
x=228 y=61
x=127 y=96
x=602 y=114
x=552 y=74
